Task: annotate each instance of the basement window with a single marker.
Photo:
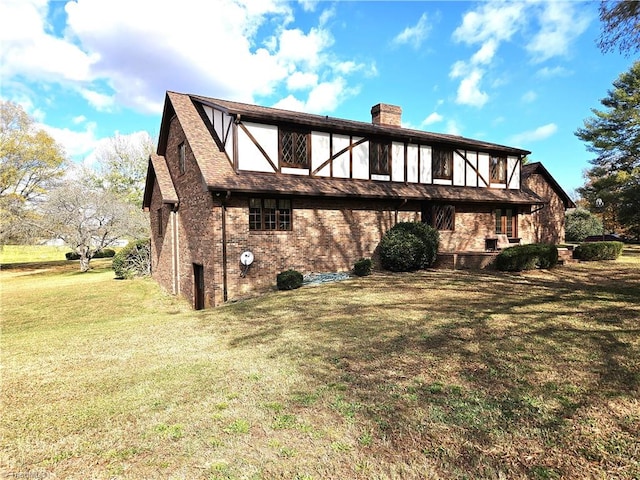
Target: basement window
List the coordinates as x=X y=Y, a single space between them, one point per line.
x=268 y=214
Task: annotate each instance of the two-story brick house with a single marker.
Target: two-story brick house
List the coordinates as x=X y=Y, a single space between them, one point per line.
x=316 y=193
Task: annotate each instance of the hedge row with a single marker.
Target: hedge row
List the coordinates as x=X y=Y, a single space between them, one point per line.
x=598 y=251
x=105 y=253
x=527 y=257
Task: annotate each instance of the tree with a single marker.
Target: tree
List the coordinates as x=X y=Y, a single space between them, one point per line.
x=581 y=223
x=613 y=134
x=122 y=166
x=89 y=219
x=31 y=162
x=620 y=26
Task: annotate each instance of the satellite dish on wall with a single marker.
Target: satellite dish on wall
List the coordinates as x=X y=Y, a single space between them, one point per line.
x=246 y=258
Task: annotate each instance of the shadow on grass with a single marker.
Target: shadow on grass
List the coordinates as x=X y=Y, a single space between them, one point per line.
x=463 y=366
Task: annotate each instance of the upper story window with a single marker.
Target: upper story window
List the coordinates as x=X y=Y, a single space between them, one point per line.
x=294 y=148
x=498 y=167
x=442 y=163
x=269 y=214
x=182 y=160
x=379 y=158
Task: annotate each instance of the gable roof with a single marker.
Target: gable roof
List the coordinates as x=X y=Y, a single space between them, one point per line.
x=219 y=175
x=157 y=169
x=529 y=169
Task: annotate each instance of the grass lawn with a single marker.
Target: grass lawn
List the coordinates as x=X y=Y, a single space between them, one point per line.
x=434 y=374
x=31 y=253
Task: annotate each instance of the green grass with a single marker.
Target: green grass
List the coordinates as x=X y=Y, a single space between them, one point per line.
x=31 y=253
x=432 y=374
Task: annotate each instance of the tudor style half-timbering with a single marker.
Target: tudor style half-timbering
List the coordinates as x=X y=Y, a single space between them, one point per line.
x=317 y=193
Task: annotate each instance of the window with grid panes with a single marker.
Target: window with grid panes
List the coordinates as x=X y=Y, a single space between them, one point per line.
x=498 y=167
x=507 y=221
x=294 y=148
x=442 y=163
x=379 y=154
x=443 y=217
x=269 y=214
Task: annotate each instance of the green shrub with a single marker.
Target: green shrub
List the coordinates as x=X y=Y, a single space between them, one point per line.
x=362 y=267
x=104 y=253
x=289 y=280
x=409 y=246
x=134 y=260
x=598 y=251
x=580 y=224
x=527 y=257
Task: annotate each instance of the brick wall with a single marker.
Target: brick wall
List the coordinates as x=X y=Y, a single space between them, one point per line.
x=327 y=235
x=547 y=224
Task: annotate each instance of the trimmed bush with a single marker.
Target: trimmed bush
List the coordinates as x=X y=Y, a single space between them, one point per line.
x=104 y=253
x=598 y=251
x=527 y=257
x=134 y=260
x=289 y=280
x=409 y=246
x=362 y=267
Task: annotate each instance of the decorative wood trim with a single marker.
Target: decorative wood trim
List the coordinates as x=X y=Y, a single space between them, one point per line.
x=330 y=160
x=513 y=172
x=467 y=162
x=258 y=146
x=234 y=133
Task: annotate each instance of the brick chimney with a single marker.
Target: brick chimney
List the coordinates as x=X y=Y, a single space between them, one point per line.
x=384 y=114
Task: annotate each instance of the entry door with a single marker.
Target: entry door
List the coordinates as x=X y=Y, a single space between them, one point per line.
x=198 y=286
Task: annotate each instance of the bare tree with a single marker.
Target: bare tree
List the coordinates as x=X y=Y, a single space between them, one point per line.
x=90 y=219
x=122 y=166
x=620 y=26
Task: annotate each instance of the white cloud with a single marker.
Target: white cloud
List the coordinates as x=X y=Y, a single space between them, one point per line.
x=452 y=128
x=99 y=101
x=434 y=117
x=111 y=58
x=29 y=51
x=486 y=52
x=529 y=96
x=493 y=20
x=414 y=35
x=469 y=92
x=541 y=133
x=302 y=81
x=77 y=143
x=561 y=23
x=550 y=72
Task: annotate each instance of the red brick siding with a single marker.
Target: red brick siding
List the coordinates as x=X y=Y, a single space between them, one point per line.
x=547 y=224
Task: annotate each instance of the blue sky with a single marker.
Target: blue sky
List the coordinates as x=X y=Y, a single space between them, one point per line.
x=524 y=74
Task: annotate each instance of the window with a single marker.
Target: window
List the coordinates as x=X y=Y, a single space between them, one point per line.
x=269 y=214
x=294 y=148
x=507 y=222
x=442 y=162
x=379 y=154
x=498 y=170
x=160 y=220
x=182 y=158
x=440 y=217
